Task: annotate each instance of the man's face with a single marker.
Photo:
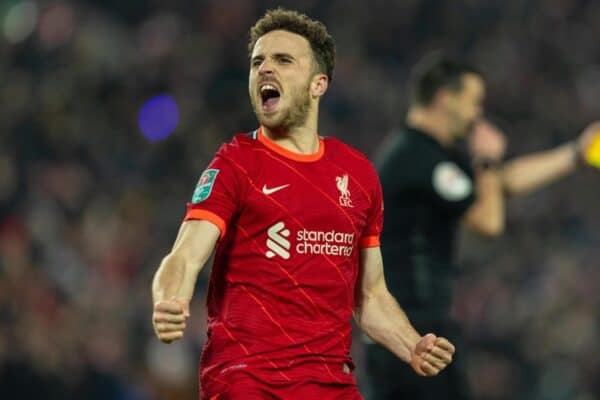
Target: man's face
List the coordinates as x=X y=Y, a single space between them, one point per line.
x=281 y=67
x=465 y=106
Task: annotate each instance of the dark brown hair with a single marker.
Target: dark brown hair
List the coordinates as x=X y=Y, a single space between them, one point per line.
x=435 y=72
x=315 y=32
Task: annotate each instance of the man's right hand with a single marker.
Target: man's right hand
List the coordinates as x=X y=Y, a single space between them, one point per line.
x=168 y=319
x=487 y=141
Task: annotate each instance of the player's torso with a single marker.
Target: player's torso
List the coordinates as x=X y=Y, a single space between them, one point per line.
x=285 y=272
x=281 y=293
x=297 y=231
x=321 y=204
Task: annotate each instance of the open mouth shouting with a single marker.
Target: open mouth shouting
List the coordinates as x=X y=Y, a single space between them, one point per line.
x=269 y=97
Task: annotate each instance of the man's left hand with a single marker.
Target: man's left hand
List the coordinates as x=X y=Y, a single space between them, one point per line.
x=586 y=140
x=431 y=355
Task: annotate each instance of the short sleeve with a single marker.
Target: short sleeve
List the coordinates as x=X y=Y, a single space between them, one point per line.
x=217 y=194
x=372 y=231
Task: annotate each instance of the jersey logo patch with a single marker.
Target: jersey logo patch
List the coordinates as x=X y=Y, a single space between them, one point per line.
x=269 y=191
x=277 y=241
x=450 y=182
x=205 y=185
x=342 y=185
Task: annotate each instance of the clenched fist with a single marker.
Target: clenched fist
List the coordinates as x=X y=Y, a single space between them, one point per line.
x=431 y=355
x=168 y=319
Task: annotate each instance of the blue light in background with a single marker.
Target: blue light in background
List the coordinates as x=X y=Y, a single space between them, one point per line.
x=158 y=117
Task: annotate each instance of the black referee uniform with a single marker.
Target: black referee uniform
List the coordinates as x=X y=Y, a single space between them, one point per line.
x=427 y=188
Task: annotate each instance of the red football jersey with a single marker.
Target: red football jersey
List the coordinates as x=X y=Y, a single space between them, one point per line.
x=281 y=291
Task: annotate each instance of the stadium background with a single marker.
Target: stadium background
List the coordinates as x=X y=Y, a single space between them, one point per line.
x=89 y=205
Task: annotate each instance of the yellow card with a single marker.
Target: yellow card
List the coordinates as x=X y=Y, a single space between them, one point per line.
x=592 y=155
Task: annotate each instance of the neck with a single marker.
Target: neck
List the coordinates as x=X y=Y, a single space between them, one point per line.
x=302 y=139
x=429 y=122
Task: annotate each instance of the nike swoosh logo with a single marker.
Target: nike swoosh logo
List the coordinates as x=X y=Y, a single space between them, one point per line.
x=269 y=191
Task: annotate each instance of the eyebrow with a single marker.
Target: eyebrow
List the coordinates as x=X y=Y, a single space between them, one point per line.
x=283 y=55
x=276 y=56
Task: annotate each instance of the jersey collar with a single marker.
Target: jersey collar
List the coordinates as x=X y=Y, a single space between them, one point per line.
x=290 y=154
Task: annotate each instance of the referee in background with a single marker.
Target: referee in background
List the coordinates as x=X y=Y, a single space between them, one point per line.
x=430 y=187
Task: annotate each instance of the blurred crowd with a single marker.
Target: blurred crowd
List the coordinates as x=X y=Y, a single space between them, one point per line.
x=89 y=206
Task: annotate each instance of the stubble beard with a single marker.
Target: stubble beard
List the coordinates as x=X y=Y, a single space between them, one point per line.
x=460 y=128
x=295 y=115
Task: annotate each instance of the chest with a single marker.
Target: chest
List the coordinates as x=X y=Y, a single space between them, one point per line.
x=318 y=196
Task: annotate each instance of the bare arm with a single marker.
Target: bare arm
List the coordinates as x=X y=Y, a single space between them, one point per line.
x=487 y=145
x=381 y=318
x=534 y=171
x=174 y=281
x=378 y=313
x=486 y=216
x=178 y=271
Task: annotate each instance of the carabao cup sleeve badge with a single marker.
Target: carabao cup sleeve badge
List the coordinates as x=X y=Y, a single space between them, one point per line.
x=205 y=185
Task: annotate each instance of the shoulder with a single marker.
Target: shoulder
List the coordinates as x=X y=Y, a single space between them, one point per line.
x=342 y=153
x=337 y=149
x=412 y=150
x=238 y=154
x=404 y=145
x=406 y=159
x=240 y=145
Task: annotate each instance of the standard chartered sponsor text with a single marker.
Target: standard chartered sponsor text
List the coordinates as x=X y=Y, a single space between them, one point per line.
x=330 y=243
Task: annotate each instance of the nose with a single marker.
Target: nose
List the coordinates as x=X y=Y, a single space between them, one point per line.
x=265 y=68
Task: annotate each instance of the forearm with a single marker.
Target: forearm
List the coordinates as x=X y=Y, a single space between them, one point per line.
x=382 y=319
x=528 y=173
x=174 y=279
x=487 y=214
